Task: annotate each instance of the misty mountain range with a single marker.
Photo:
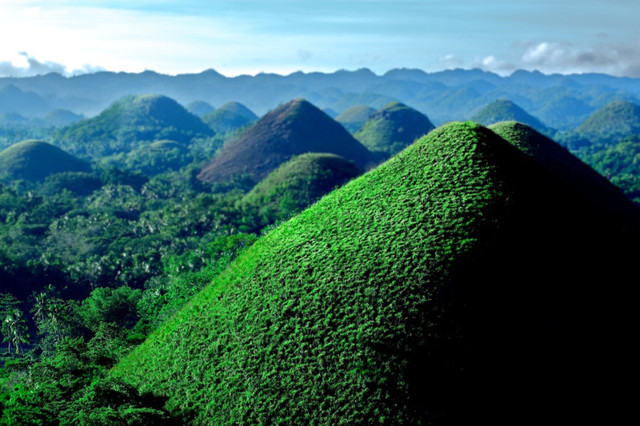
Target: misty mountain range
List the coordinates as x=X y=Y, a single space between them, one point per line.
x=559 y=101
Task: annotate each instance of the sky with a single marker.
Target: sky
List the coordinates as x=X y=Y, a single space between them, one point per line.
x=282 y=36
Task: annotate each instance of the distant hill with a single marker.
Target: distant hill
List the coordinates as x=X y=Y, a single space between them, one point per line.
x=35 y=160
x=131 y=121
x=229 y=117
x=505 y=110
x=200 y=108
x=24 y=102
x=354 y=118
x=612 y=123
x=294 y=128
x=392 y=128
x=298 y=183
x=61 y=117
x=460 y=282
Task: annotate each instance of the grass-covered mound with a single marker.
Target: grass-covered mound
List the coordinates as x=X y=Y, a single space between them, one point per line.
x=353 y=118
x=506 y=110
x=297 y=184
x=35 y=160
x=200 y=108
x=294 y=128
x=133 y=121
x=612 y=123
x=229 y=117
x=454 y=284
x=392 y=128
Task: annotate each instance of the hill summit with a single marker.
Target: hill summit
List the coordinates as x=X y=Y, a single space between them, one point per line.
x=611 y=123
x=230 y=116
x=132 y=121
x=294 y=128
x=459 y=282
x=392 y=128
x=506 y=110
x=35 y=160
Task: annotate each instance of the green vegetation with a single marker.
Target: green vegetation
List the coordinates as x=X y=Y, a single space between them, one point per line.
x=35 y=160
x=230 y=117
x=297 y=184
x=392 y=128
x=505 y=110
x=611 y=124
x=200 y=108
x=353 y=118
x=459 y=273
x=294 y=128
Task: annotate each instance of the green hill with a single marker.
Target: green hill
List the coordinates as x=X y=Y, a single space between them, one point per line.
x=229 y=117
x=131 y=122
x=354 y=118
x=460 y=282
x=34 y=161
x=392 y=128
x=61 y=117
x=505 y=110
x=294 y=128
x=200 y=108
x=297 y=184
x=612 y=123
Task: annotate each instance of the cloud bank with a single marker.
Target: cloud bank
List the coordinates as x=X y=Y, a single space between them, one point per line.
x=32 y=67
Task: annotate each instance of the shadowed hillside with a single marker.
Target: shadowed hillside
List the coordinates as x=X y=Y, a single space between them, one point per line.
x=460 y=282
x=34 y=161
x=294 y=128
x=392 y=128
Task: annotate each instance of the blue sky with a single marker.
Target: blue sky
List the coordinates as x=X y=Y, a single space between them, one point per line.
x=282 y=36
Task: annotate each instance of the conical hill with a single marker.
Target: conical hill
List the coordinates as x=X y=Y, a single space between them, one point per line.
x=353 y=118
x=230 y=116
x=294 y=128
x=506 y=110
x=459 y=282
x=35 y=160
x=392 y=128
x=297 y=184
x=611 y=123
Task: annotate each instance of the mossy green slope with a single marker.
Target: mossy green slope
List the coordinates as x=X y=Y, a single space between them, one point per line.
x=35 y=160
x=612 y=123
x=452 y=284
x=297 y=184
x=392 y=128
x=132 y=121
x=230 y=116
x=353 y=118
x=294 y=128
x=506 y=110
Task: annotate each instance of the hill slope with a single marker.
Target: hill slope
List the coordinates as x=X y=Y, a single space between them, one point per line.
x=132 y=121
x=230 y=116
x=392 y=128
x=298 y=183
x=353 y=118
x=612 y=123
x=34 y=161
x=294 y=128
x=505 y=110
x=452 y=284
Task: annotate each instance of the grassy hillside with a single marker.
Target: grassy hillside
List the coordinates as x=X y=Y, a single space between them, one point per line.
x=229 y=117
x=459 y=282
x=353 y=118
x=392 y=128
x=294 y=128
x=505 y=110
x=35 y=160
x=297 y=184
x=130 y=122
x=200 y=108
x=612 y=123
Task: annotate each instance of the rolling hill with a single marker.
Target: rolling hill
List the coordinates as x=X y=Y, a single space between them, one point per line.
x=229 y=117
x=200 y=108
x=35 y=160
x=297 y=184
x=612 y=123
x=505 y=110
x=130 y=122
x=392 y=128
x=294 y=128
x=460 y=282
x=353 y=118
